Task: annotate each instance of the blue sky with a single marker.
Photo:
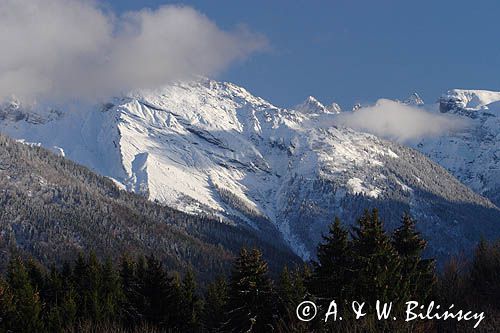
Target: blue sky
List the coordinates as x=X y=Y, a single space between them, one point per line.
x=358 y=51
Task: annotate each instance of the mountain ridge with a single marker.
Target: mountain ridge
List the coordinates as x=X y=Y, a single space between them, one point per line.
x=208 y=146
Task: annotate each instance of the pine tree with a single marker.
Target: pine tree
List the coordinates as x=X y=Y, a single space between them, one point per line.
x=250 y=307
x=485 y=273
x=86 y=275
x=35 y=273
x=68 y=308
x=291 y=292
x=27 y=317
x=131 y=302
x=7 y=306
x=53 y=320
x=54 y=287
x=332 y=274
x=190 y=304
x=110 y=292
x=376 y=262
x=79 y=275
x=417 y=274
x=216 y=300
x=157 y=291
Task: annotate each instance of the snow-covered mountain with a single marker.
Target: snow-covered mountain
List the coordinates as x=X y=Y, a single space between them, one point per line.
x=211 y=146
x=414 y=99
x=472 y=155
x=312 y=106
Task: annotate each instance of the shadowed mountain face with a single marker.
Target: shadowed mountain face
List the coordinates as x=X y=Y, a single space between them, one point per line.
x=211 y=147
x=52 y=208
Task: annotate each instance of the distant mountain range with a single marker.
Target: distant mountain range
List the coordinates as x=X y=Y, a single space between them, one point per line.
x=208 y=147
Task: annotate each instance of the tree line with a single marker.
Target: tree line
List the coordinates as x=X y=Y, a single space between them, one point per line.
x=140 y=294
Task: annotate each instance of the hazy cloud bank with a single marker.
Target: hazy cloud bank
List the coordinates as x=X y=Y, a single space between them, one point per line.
x=73 y=49
x=400 y=122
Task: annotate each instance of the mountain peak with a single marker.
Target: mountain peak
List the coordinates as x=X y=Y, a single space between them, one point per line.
x=468 y=102
x=312 y=105
x=414 y=99
x=334 y=108
x=356 y=107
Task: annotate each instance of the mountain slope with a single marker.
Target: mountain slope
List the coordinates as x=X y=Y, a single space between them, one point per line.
x=472 y=155
x=52 y=208
x=213 y=147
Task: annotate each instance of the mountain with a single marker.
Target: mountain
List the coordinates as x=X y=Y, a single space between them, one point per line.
x=212 y=147
x=312 y=106
x=471 y=155
x=52 y=208
x=414 y=99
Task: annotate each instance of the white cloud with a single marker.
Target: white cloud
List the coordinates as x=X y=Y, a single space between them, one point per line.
x=400 y=122
x=70 y=49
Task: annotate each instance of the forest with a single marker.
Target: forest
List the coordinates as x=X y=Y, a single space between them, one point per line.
x=140 y=293
x=52 y=208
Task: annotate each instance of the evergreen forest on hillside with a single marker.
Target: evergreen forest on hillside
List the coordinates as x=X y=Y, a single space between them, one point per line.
x=142 y=294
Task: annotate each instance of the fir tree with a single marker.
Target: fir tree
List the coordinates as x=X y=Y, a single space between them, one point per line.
x=27 y=316
x=190 y=304
x=376 y=262
x=417 y=274
x=250 y=307
x=485 y=273
x=35 y=273
x=57 y=293
x=216 y=300
x=333 y=269
x=68 y=307
x=86 y=274
x=110 y=292
x=7 y=307
x=131 y=300
x=157 y=292
x=54 y=321
x=291 y=292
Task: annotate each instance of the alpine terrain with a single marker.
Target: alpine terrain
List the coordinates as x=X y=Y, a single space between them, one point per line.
x=207 y=147
x=471 y=155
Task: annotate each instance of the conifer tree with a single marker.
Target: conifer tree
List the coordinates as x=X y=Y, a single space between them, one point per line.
x=7 y=306
x=332 y=275
x=68 y=308
x=92 y=294
x=79 y=274
x=27 y=306
x=110 y=292
x=376 y=262
x=292 y=287
x=216 y=299
x=157 y=291
x=291 y=292
x=251 y=307
x=190 y=304
x=36 y=274
x=485 y=273
x=86 y=275
x=131 y=300
x=54 y=287
x=417 y=273
x=53 y=320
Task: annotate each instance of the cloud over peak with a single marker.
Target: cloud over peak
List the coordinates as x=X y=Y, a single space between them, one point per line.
x=400 y=122
x=72 y=49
